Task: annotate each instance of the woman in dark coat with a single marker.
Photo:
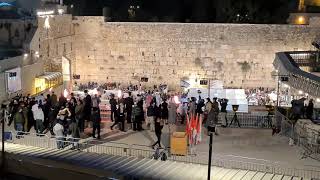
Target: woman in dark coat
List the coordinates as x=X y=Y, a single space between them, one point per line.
x=164 y=113
x=158 y=125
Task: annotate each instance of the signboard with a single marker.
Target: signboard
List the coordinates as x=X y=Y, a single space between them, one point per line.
x=13 y=80
x=66 y=69
x=216 y=84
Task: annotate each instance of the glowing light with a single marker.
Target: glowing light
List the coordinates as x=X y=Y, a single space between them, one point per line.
x=300 y=92
x=306 y=94
x=26 y=55
x=65 y=93
x=286 y=86
x=44 y=13
x=60 y=11
x=46 y=23
x=5 y=4
x=318 y=100
x=176 y=100
x=301 y=20
x=50 y=90
x=119 y=93
x=95 y=91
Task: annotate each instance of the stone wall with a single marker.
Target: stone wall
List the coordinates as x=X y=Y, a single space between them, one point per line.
x=54 y=42
x=239 y=54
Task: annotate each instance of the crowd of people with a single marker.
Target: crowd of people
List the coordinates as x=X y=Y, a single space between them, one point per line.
x=67 y=118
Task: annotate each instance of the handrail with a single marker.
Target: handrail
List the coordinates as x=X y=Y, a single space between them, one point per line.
x=226 y=161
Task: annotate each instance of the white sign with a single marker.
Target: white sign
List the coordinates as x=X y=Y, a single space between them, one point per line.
x=13 y=80
x=216 y=84
x=66 y=69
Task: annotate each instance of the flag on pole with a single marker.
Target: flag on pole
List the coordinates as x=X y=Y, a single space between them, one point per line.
x=199 y=130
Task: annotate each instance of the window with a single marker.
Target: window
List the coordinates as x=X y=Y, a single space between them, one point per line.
x=144 y=79
x=203 y=82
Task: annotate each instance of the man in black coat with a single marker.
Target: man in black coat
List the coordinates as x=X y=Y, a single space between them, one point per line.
x=128 y=106
x=113 y=104
x=87 y=106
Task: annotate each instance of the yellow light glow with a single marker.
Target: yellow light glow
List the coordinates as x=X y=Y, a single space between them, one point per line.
x=65 y=93
x=301 y=20
x=40 y=84
x=300 y=92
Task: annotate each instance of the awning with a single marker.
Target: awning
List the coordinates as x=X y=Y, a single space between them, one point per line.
x=50 y=75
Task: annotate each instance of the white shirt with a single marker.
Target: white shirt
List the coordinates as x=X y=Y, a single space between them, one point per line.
x=38 y=114
x=58 y=130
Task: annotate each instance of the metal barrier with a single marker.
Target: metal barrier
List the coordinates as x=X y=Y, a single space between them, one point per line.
x=141 y=151
x=304 y=137
x=247 y=120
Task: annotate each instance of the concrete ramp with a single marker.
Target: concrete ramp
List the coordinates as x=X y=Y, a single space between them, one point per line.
x=83 y=165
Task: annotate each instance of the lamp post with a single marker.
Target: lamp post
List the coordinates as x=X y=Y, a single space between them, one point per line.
x=211 y=130
x=3 y=107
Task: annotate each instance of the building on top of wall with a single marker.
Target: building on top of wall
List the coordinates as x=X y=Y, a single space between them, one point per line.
x=306 y=10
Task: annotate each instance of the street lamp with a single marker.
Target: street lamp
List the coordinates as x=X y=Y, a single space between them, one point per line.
x=211 y=130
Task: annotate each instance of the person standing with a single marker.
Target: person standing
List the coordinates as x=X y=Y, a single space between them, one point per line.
x=54 y=99
x=79 y=114
x=159 y=123
x=113 y=106
x=207 y=109
x=58 y=131
x=224 y=104
x=151 y=115
x=87 y=106
x=19 y=120
x=128 y=106
x=309 y=110
x=192 y=107
x=38 y=116
x=75 y=134
x=164 y=112
x=96 y=121
x=95 y=101
x=172 y=115
x=119 y=116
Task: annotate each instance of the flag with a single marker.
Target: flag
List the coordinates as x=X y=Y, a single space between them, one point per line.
x=199 y=129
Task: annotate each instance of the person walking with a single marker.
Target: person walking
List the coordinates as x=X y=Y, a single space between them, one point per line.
x=151 y=115
x=113 y=106
x=119 y=116
x=38 y=116
x=59 y=132
x=96 y=121
x=159 y=123
x=164 y=112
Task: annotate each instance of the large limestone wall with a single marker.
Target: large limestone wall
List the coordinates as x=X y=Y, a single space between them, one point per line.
x=239 y=54
x=55 y=42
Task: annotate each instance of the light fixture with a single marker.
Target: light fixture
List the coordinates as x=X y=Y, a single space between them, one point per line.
x=65 y=93
x=119 y=93
x=45 y=13
x=300 y=92
x=26 y=55
x=306 y=94
x=60 y=11
x=318 y=99
x=301 y=20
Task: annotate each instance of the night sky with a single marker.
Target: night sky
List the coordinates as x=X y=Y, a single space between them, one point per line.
x=238 y=11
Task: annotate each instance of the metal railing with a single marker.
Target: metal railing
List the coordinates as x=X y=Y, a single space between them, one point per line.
x=247 y=120
x=141 y=151
x=304 y=137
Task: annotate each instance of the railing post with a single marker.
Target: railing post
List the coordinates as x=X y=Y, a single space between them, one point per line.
x=129 y=149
